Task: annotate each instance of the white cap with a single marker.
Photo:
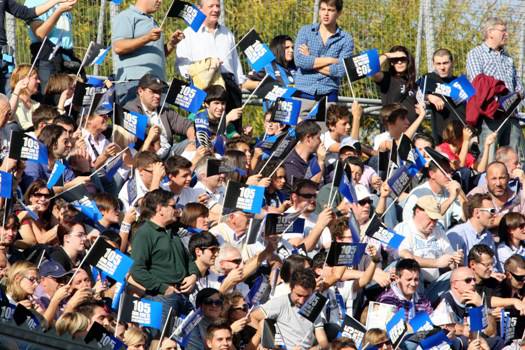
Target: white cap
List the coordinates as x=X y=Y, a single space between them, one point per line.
x=362 y=192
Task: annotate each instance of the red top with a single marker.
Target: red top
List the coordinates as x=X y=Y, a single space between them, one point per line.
x=454 y=157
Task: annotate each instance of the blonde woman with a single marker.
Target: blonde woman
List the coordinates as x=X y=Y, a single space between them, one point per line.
x=22 y=280
x=23 y=87
x=73 y=323
x=135 y=339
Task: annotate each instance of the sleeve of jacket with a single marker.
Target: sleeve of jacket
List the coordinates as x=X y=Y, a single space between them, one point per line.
x=178 y=125
x=20 y=11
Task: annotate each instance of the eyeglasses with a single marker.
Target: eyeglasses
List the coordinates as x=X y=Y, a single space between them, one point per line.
x=235 y=261
x=364 y=202
x=41 y=195
x=399 y=60
x=519 y=278
x=214 y=302
x=243 y=307
x=469 y=280
x=214 y=250
x=32 y=279
x=80 y=235
x=491 y=211
x=307 y=195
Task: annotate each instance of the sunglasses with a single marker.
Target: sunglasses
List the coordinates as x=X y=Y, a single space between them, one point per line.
x=243 y=307
x=32 y=279
x=307 y=195
x=399 y=60
x=215 y=302
x=491 y=211
x=518 y=277
x=235 y=261
x=42 y=195
x=469 y=280
x=364 y=202
x=213 y=250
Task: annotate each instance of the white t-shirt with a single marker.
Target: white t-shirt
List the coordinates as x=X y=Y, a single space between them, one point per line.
x=379 y=139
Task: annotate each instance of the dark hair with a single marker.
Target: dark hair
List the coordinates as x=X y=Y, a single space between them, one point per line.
x=232 y=143
x=35 y=186
x=278 y=45
x=106 y=201
x=88 y=308
x=50 y=134
x=215 y=93
x=443 y=52
x=391 y=112
x=112 y=236
x=304 y=278
x=343 y=343
x=337 y=227
x=302 y=183
x=62 y=119
x=191 y=212
x=453 y=132
x=204 y=294
x=66 y=227
x=152 y=199
x=407 y=264
x=216 y=326
x=337 y=3
x=424 y=137
x=319 y=259
x=11 y=220
x=410 y=74
x=335 y=113
x=44 y=113
x=175 y=163
x=306 y=128
x=508 y=222
x=145 y=158
x=291 y=264
x=201 y=240
x=355 y=161
x=514 y=262
x=477 y=251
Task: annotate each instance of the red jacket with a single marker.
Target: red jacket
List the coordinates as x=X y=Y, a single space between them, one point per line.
x=484 y=103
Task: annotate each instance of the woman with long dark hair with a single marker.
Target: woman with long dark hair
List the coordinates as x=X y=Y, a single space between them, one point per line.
x=511 y=234
x=397 y=80
x=283 y=68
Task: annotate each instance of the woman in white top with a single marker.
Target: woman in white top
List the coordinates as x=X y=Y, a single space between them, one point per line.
x=23 y=87
x=512 y=236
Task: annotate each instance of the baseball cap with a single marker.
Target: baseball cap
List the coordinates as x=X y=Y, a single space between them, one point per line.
x=349 y=142
x=362 y=192
x=430 y=206
x=151 y=81
x=50 y=268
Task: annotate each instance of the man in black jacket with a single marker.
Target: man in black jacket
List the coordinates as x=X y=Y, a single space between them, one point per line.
x=148 y=102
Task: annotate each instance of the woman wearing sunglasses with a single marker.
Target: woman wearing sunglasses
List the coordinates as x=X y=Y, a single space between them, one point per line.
x=236 y=312
x=511 y=233
x=35 y=218
x=397 y=80
x=22 y=280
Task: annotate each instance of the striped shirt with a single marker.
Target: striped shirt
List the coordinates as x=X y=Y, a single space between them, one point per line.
x=497 y=64
x=340 y=45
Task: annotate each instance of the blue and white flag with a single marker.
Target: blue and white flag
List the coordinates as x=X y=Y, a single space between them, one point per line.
x=258 y=53
x=286 y=111
x=396 y=328
x=31 y=213
x=465 y=88
x=477 y=318
x=96 y=54
x=56 y=174
x=25 y=147
x=79 y=198
x=447 y=90
x=95 y=82
x=103 y=338
x=259 y=291
x=6 y=184
x=183 y=331
x=421 y=322
x=248 y=199
x=186 y=96
x=219 y=145
x=362 y=65
x=435 y=340
x=419 y=162
x=147 y=313
x=189 y=13
x=202 y=129
x=318 y=112
x=345 y=254
x=279 y=91
x=346 y=188
x=119 y=289
x=313 y=167
x=135 y=123
x=399 y=180
x=109 y=260
x=106 y=103
x=376 y=229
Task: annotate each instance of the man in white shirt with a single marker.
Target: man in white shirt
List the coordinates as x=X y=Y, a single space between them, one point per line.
x=425 y=241
x=213 y=186
x=178 y=170
x=211 y=40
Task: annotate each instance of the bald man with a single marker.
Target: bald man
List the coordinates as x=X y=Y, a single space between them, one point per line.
x=504 y=198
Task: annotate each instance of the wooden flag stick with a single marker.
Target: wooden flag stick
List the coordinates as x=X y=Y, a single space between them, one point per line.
x=119 y=311
x=237 y=44
x=254 y=91
x=83 y=261
x=164 y=328
x=166 y=15
x=41 y=258
x=37 y=56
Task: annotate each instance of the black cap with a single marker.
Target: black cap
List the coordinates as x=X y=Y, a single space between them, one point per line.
x=151 y=81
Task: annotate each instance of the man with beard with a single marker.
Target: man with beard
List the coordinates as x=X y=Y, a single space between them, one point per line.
x=169 y=123
x=505 y=198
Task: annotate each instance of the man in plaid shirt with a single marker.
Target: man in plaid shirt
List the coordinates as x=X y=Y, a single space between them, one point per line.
x=319 y=53
x=491 y=58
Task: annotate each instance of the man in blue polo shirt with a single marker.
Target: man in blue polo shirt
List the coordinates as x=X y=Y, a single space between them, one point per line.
x=319 y=53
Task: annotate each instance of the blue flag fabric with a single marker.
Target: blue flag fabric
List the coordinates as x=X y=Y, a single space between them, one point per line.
x=354 y=228
x=147 y=313
x=363 y=65
x=202 y=129
x=189 y=13
x=434 y=340
x=259 y=290
x=477 y=318
x=109 y=260
x=135 y=123
x=399 y=180
x=102 y=56
x=183 y=331
x=286 y=111
x=95 y=82
x=313 y=167
x=186 y=96
x=421 y=322
x=219 y=145
x=89 y=208
x=376 y=229
x=396 y=327
x=347 y=190
x=6 y=184
x=258 y=53
x=31 y=213
x=119 y=288
x=56 y=174
x=279 y=91
x=465 y=88
x=419 y=162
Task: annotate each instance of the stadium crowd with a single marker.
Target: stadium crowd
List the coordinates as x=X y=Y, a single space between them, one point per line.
x=445 y=245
